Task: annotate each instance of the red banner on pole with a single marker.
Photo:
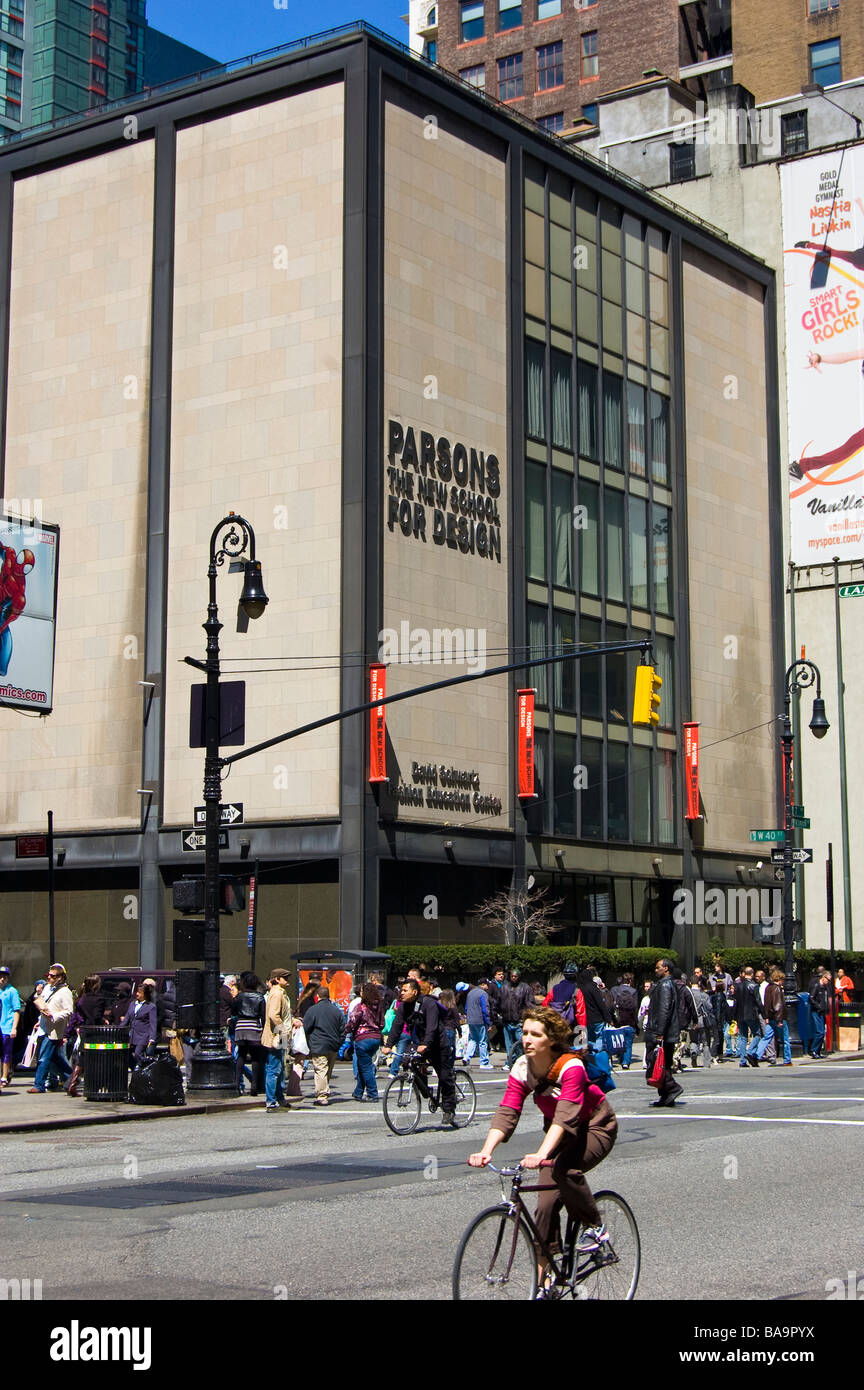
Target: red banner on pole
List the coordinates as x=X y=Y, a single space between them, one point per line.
x=691 y=770
x=377 y=732
x=526 y=743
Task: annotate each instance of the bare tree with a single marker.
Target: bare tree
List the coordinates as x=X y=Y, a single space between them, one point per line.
x=521 y=915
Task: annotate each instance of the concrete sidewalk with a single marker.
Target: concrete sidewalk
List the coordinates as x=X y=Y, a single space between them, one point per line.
x=55 y=1110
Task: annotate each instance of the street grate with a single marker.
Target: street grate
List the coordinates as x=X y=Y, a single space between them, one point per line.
x=232 y=1183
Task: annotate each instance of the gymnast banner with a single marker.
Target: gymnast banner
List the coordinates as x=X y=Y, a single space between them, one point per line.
x=823 y=239
x=28 y=607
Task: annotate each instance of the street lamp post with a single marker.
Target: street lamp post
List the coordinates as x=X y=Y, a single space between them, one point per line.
x=799 y=676
x=212 y=1067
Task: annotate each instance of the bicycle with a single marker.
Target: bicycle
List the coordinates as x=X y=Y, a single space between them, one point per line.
x=498 y=1254
x=403 y=1099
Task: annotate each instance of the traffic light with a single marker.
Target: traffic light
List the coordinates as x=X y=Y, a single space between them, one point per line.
x=189 y=894
x=646 y=696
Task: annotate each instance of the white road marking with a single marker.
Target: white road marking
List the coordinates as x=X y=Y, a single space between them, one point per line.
x=769 y=1095
x=744 y=1119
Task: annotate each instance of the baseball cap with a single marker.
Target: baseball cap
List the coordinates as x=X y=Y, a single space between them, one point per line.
x=4 y=970
x=460 y=985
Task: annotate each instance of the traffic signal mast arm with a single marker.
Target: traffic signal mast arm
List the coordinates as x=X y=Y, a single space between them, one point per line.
x=643 y=646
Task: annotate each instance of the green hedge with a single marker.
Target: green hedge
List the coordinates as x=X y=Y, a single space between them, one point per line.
x=469 y=962
x=535 y=962
x=764 y=957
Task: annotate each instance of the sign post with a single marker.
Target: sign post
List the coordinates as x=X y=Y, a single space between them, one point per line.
x=51 y=942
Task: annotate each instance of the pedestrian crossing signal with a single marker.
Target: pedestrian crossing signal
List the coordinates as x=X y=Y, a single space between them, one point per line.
x=646 y=696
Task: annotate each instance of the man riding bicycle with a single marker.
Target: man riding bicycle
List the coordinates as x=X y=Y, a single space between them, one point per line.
x=426 y=1023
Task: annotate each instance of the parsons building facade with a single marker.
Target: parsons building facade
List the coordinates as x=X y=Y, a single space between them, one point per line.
x=477 y=396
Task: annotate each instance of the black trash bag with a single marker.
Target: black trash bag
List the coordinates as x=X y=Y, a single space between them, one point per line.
x=157 y=1083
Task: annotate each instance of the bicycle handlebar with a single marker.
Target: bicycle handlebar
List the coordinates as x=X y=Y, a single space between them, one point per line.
x=518 y=1169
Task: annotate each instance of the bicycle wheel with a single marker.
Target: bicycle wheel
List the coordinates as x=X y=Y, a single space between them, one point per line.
x=612 y=1273
x=466 y=1098
x=495 y=1261
x=402 y=1105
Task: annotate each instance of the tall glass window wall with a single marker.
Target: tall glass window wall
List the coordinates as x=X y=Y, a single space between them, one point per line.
x=598 y=508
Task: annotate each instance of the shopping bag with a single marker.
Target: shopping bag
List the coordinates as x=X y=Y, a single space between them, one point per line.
x=29 y=1058
x=654 y=1076
x=299 y=1045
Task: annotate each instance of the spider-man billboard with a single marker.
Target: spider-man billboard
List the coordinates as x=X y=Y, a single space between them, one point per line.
x=28 y=606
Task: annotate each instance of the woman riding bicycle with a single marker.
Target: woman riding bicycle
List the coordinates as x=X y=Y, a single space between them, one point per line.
x=580 y=1123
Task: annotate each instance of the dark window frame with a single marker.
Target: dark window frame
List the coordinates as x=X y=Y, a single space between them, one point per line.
x=550 y=64
x=682 y=161
x=794 y=135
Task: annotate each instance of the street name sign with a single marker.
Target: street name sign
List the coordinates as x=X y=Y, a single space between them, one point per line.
x=192 y=840
x=800 y=822
x=799 y=856
x=232 y=814
x=762 y=835
x=852 y=590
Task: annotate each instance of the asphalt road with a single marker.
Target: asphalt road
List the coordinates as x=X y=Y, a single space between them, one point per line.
x=751 y=1190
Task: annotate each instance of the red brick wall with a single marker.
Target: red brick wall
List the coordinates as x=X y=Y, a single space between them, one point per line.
x=632 y=35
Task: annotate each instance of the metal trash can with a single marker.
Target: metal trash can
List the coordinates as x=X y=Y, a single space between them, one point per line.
x=849 y=1029
x=105 y=1056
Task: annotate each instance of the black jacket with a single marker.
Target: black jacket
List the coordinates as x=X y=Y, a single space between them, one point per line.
x=325 y=1027
x=596 y=1007
x=515 y=999
x=820 y=998
x=493 y=999
x=748 y=1005
x=249 y=1006
x=425 y=1021
x=662 y=1020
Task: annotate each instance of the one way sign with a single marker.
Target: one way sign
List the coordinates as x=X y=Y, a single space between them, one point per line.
x=228 y=815
x=196 y=839
x=799 y=856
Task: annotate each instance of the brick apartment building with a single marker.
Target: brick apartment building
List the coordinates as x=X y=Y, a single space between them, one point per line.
x=552 y=59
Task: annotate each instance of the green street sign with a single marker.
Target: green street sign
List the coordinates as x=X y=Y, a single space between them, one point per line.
x=762 y=835
x=800 y=822
x=852 y=590
x=797 y=810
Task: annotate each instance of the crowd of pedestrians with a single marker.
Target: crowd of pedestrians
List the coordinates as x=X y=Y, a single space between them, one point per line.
x=43 y=1033
x=707 y=1017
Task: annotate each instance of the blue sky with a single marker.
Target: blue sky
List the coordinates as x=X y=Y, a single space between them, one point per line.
x=226 y=29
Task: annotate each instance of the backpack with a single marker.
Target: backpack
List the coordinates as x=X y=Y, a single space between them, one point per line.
x=596 y=1074
x=687 y=1015
x=570 y=1009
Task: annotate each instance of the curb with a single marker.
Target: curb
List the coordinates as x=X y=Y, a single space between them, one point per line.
x=133 y=1113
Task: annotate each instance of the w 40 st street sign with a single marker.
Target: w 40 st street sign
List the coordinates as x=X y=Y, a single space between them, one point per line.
x=762 y=835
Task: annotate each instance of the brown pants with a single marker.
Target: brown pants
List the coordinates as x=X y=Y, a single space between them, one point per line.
x=573 y=1160
x=322 y=1065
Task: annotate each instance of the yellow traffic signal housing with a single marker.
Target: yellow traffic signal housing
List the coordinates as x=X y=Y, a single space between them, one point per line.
x=646 y=696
